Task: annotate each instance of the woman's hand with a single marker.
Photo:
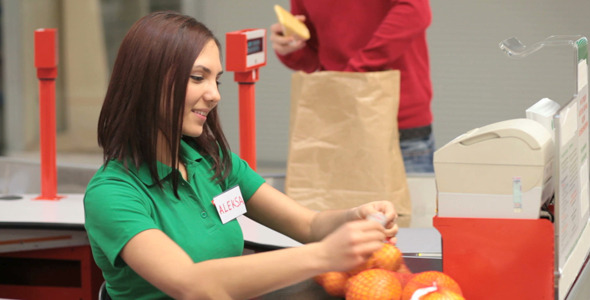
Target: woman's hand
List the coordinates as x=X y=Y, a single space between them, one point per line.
x=384 y=208
x=351 y=244
x=282 y=44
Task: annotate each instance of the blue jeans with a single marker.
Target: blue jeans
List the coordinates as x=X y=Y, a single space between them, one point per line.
x=417 y=154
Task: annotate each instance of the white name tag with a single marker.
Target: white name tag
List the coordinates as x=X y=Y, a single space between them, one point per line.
x=230 y=204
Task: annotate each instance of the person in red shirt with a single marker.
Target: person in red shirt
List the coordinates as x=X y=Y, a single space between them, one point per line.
x=365 y=36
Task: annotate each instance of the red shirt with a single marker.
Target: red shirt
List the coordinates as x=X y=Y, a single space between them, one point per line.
x=371 y=35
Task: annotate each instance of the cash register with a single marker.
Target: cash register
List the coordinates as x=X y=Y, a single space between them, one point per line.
x=502 y=170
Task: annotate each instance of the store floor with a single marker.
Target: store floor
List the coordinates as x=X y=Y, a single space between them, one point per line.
x=422 y=186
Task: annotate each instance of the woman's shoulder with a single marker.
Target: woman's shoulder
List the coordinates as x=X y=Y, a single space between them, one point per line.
x=115 y=169
x=114 y=172
x=111 y=183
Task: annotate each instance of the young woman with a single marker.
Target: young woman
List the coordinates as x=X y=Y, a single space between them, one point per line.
x=153 y=228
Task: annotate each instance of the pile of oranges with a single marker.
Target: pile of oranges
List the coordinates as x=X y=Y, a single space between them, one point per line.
x=386 y=276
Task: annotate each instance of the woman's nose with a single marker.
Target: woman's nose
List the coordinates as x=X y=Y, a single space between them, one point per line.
x=212 y=95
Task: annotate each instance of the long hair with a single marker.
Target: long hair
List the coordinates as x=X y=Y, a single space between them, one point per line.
x=147 y=91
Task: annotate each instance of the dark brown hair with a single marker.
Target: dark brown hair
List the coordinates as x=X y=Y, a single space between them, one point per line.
x=147 y=91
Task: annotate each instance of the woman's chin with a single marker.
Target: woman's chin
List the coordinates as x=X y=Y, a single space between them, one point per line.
x=193 y=133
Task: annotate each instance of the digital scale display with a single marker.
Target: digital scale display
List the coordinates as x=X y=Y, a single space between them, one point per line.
x=245 y=50
x=254 y=46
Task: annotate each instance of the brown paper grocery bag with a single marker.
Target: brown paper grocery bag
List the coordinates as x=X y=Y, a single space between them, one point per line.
x=344 y=140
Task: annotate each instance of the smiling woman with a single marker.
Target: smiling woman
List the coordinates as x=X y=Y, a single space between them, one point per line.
x=161 y=212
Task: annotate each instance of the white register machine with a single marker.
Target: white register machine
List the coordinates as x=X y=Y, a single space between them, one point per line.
x=502 y=170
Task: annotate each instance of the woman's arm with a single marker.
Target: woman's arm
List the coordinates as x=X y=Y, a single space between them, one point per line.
x=276 y=210
x=164 y=264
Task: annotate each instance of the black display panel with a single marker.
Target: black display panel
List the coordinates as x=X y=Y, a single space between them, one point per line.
x=254 y=45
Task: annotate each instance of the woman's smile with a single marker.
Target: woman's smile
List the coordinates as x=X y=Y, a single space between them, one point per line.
x=201 y=114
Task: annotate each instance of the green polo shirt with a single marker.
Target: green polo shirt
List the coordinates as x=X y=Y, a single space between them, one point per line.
x=120 y=203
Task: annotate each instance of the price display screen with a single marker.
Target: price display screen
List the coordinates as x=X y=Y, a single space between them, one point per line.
x=254 y=46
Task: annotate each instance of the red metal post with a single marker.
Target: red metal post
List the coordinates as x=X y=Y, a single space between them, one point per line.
x=247 y=115
x=247 y=124
x=46 y=59
x=245 y=54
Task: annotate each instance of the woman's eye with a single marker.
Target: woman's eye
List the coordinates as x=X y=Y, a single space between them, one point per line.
x=197 y=78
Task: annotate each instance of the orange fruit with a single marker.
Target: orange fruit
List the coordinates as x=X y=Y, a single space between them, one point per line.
x=430 y=279
x=389 y=257
x=334 y=283
x=374 y=284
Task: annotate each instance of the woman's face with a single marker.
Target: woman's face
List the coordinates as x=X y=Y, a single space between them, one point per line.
x=202 y=93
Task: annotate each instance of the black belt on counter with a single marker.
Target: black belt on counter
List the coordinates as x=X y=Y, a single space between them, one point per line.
x=415 y=133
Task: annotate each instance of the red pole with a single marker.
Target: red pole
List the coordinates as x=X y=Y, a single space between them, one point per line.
x=246 y=53
x=247 y=124
x=46 y=63
x=247 y=115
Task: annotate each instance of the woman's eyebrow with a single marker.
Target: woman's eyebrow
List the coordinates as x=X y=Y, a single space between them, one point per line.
x=205 y=69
